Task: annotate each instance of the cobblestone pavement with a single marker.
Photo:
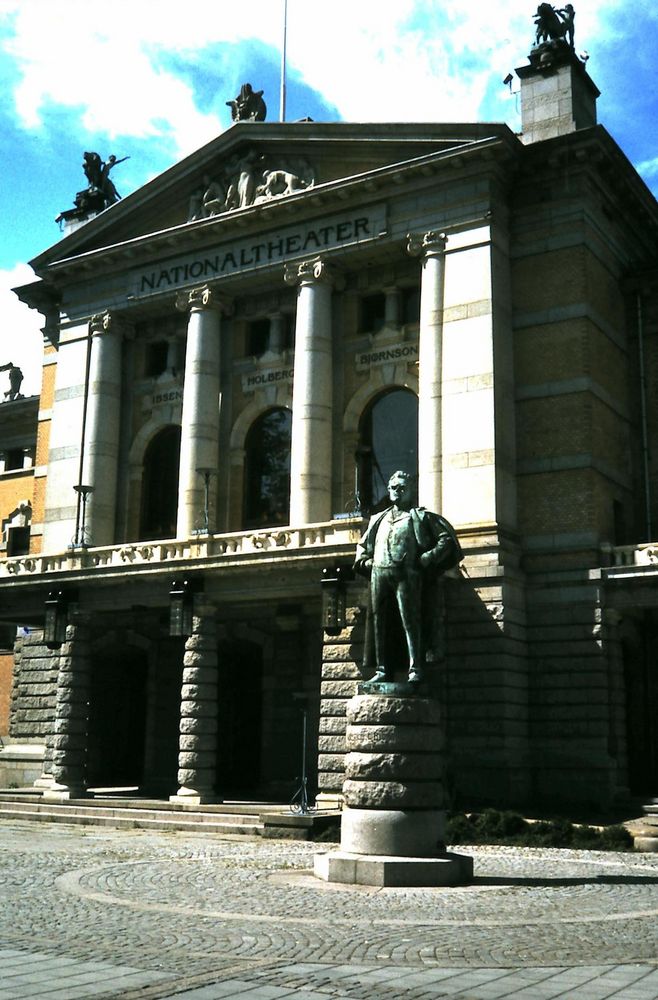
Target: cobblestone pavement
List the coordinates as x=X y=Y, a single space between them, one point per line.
x=88 y=912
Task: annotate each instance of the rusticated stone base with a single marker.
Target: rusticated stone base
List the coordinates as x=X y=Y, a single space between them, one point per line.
x=393 y=823
x=363 y=869
x=393 y=772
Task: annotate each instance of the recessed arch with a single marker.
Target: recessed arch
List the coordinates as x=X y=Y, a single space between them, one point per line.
x=387 y=441
x=266 y=489
x=159 y=500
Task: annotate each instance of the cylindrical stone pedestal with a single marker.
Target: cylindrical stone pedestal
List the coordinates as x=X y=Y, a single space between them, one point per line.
x=393 y=823
x=393 y=787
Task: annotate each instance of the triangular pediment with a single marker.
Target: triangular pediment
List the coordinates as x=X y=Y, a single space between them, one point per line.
x=254 y=164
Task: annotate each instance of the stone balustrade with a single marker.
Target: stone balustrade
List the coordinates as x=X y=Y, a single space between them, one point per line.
x=267 y=542
x=640 y=554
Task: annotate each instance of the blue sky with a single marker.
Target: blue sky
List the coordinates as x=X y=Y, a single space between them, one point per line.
x=149 y=79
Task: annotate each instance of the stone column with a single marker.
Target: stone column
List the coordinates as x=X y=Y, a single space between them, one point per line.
x=101 y=439
x=275 y=344
x=70 y=740
x=310 y=447
x=392 y=308
x=200 y=420
x=430 y=247
x=198 y=710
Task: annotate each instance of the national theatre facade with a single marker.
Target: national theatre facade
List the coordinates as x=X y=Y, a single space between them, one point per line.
x=237 y=357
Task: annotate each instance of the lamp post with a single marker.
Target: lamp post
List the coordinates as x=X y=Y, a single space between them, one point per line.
x=206 y=472
x=84 y=493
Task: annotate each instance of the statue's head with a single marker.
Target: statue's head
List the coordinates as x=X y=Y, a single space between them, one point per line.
x=400 y=488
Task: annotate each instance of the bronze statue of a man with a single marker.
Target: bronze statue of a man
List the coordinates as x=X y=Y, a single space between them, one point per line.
x=402 y=550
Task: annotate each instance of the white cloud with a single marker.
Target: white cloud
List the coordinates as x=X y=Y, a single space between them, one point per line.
x=405 y=60
x=20 y=337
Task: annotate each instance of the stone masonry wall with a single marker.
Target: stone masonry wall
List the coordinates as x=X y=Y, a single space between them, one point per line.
x=32 y=713
x=342 y=658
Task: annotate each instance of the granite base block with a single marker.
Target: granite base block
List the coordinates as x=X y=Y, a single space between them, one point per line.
x=376 y=870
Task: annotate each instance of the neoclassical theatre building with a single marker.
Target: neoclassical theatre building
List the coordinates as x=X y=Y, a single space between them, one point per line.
x=240 y=353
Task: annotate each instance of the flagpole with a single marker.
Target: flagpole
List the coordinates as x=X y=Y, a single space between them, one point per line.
x=283 y=61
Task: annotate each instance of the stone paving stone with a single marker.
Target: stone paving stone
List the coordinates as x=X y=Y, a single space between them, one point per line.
x=193 y=909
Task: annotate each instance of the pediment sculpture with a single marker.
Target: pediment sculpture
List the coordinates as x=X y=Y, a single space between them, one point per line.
x=249 y=178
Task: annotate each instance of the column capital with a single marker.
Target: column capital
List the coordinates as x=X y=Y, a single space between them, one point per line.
x=108 y=322
x=430 y=244
x=202 y=298
x=310 y=272
x=100 y=322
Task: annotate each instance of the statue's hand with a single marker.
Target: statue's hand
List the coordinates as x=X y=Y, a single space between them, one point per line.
x=363 y=567
x=426 y=560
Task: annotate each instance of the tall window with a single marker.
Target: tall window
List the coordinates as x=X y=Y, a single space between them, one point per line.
x=160 y=485
x=267 y=470
x=388 y=441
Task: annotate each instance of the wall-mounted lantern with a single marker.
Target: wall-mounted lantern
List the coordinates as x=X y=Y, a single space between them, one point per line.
x=181 y=606
x=56 y=619
x=334 y=585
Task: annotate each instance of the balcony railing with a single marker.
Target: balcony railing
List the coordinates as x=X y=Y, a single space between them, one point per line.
x=640 y=554
x=266 y=542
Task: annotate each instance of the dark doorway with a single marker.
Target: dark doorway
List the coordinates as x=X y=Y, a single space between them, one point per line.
x=160 y=485
x=117 y=717
x=239 y=713
x=641 y=678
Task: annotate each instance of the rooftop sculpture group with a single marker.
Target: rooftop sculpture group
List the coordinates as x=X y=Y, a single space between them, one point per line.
x=555 y=24
x=100 y=193
x=15 y=381
x=248 y=106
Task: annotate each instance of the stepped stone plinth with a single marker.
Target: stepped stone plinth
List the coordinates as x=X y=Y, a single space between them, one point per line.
x=393 y=823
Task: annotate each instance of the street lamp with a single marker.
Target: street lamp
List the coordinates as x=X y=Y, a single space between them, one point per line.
x=206 y=472
x=181 y=608
x=334 y=585
x=84 y=492
x=56 y=619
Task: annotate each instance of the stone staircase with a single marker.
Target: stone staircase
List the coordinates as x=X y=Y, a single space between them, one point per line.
x=239 y=819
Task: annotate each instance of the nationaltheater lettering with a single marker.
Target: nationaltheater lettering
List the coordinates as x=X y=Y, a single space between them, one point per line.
x=247 y=254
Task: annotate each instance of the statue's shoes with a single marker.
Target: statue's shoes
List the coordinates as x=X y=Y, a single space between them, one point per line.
x=414 y=677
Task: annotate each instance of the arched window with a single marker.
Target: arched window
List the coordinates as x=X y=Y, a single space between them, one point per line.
x=267 y=470
x=160 y=485
x=388 y=441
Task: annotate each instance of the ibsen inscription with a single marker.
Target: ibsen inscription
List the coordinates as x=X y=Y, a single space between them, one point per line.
x=170 y=396
x=253 y=253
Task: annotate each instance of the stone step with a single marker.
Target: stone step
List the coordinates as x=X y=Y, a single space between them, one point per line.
x=126 y=817
x=137 y=819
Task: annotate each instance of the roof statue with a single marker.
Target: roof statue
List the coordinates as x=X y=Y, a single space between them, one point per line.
x=15 y=381
x=101 y=192
x=248 y=106
x=554 y=36
x=554 y=25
